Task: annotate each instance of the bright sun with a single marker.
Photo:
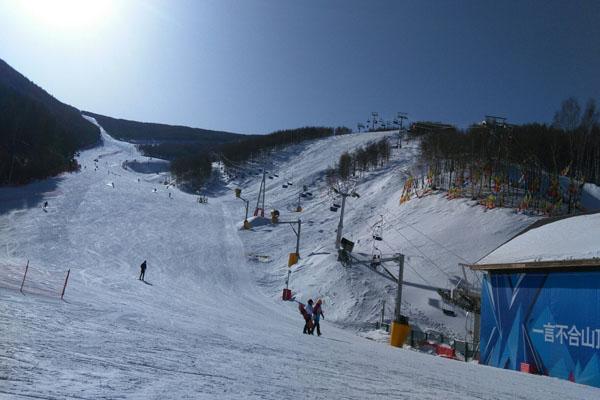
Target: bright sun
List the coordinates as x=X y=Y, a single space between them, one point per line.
x=68 y=14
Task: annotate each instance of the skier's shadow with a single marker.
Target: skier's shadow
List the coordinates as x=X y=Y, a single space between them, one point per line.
x=148 y=283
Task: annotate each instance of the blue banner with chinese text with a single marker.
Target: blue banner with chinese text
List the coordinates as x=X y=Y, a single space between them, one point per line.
x=550 y=320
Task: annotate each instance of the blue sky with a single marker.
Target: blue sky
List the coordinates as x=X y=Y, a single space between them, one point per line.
x=256 y=66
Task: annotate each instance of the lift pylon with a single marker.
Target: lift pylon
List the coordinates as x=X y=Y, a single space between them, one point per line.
x=400 y=327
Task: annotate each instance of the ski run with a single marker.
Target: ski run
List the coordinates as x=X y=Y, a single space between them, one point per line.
x=208 y=322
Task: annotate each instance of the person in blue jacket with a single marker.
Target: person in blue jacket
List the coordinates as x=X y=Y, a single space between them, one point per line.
x=317 y=314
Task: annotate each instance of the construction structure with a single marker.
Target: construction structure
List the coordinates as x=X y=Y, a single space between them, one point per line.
x=540 y=301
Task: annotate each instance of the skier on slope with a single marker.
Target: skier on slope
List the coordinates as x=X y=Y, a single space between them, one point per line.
x=142 y=270
x=317 y=314
x=307 y=318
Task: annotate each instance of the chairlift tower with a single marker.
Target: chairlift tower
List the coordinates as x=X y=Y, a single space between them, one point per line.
x=374 y=119
x=344 y=189
x=401 y=116
x=466 y=297
x=400 y=328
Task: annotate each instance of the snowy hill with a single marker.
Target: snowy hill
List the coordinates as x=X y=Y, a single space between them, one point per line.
x=208 y=322
x=436 y=235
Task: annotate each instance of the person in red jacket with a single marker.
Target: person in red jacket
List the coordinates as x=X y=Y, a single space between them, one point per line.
x=307 y=319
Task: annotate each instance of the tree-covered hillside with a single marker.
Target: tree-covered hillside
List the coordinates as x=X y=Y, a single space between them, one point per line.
x=147 y=133
x=39 y=135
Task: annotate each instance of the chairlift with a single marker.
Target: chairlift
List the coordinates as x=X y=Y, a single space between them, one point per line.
x=284 y=186
x=378 y=230
x=270 y=177
x=333 y=208
x=336 y=205
x=376 y=257
x=276 y=176
x=448 y=308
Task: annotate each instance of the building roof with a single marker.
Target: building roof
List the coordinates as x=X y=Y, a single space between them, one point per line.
x=567 y=243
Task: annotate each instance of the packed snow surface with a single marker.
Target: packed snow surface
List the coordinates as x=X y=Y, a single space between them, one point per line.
x=574 y=238
x=207 y=323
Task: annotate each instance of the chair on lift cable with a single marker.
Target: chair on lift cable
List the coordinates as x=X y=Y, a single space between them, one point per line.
x=284 y=186
x=333 y=208
x=378 y=230
x=447 y=307
x=377 y=233
x=376 y=259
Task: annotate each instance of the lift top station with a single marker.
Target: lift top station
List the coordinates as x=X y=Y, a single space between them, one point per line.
x=400 y=327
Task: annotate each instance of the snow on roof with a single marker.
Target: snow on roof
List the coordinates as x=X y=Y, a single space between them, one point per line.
x=574 y=238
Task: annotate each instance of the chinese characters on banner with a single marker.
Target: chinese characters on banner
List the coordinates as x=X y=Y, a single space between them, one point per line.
x=572 y=336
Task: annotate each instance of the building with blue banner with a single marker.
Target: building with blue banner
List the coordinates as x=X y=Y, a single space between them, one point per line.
x=540 y=301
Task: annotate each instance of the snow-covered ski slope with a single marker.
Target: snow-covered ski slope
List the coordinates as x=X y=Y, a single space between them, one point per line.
x=207 y=324
x=434 y=233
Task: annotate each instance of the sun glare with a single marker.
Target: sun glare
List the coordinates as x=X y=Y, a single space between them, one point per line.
x=68 y=14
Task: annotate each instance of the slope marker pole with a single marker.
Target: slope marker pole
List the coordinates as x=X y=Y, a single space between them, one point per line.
x=65 y=285
x=24 y=276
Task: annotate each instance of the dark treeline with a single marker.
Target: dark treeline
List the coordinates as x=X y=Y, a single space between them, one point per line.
x=531 y=166
x=39 y=135
x=195 y=166
x=153 y=133
x=371 y=156
x=570 y=146
x=255 y=146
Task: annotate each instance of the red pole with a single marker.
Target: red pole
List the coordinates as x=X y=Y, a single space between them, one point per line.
x=65 y=286
x=24 y=276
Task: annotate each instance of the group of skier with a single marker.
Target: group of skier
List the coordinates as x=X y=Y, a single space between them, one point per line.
x=312 y=315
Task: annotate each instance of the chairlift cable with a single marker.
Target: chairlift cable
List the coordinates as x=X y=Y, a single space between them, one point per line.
x=423 y=254
x=399 y=220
